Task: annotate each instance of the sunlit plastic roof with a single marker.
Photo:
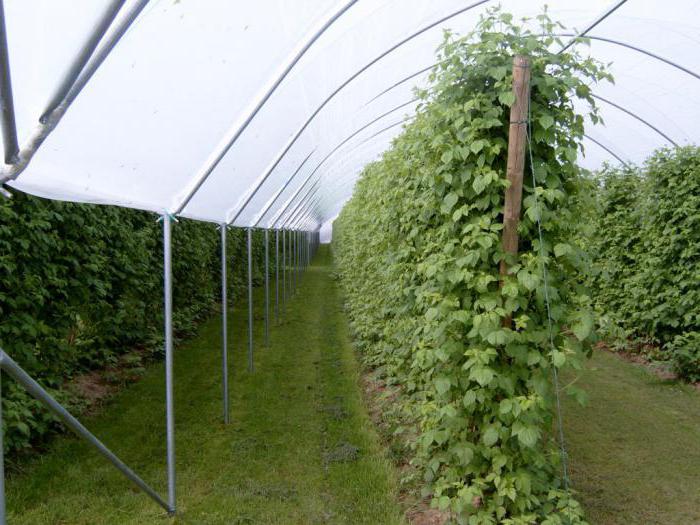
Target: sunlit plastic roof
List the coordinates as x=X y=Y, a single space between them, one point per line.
x=263 y=113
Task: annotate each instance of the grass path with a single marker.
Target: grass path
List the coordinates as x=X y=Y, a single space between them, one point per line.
x=300 y=448
x=635 y=448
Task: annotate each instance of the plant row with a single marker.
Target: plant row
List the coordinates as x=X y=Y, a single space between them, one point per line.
x=644 y=236
x=418 y=249
x=83 y=284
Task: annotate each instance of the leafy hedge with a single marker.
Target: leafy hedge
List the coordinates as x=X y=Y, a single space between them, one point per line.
x=646 y=247
x=83 y=283
x=418 y=249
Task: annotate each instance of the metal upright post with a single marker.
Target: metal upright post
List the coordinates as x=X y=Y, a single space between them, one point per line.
x=298 y=254
x=169 y=399
x=294 y=262
x=267 y=288
x=277 y=276
x=284 y=271
x=224 y=324
x=3 y=519
x=250 y=299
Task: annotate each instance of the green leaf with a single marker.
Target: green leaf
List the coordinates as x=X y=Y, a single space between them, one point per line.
x=528 y=436
x=442 y=385
x=469 y=398
x=497 y=337
x=562 y=249
x=505 y=407
x=507 y=98
x=476 y=146
x=431 y=314
x=583 y=326
x=479 y=184
x=482 y=375
x=449 y=201
x=528 y=280
x=498 y=72
x=546 y=121
x=558 y=358
x=490 y=436
x=510 y=289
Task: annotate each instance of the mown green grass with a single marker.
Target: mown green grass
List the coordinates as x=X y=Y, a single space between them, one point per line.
x=635 y=448
x=300 y=447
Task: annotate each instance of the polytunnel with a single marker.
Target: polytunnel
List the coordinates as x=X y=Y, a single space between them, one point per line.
x=261 y=115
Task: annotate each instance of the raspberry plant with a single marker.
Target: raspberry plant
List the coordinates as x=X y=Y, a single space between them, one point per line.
x=418 y=249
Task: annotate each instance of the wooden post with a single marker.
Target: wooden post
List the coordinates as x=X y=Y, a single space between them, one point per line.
x=517 y=143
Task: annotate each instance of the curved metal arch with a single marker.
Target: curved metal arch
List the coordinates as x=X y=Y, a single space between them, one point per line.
x=321 y=211
x=261 y=180
x=235 y=133
x=37 y=139
x=302 y=212
x=635 y=116
x=317 y=181
x=634 y=48
x=597 y=97
x=288 y=203
x=306 y=195
x=278 y=215
x=79 y=62
x=260 y=215
x=609 y=11
x=611 y=152
x=279 y=192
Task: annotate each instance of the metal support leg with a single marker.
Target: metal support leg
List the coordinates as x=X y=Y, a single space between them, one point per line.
x=284 y=271
x=224 y=324
x=3 y=519
x=277 y=276
x=250 y=299
x=169 y=400
x=35 y=390
x=267 y=288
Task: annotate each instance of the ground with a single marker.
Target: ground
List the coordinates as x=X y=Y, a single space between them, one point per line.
x=301 y=449
x=635 y=447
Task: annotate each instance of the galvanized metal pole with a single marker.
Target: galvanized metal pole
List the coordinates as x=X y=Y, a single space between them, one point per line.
x=37 y=391
x=267 y=288
x=7 y=106
x=277 y=276
x=169 y=398
x=295 y=257
x=50 y=122
x=284 y=271
x=3 y=519
x=224 y=323
x=82 y=58
x=250 y=300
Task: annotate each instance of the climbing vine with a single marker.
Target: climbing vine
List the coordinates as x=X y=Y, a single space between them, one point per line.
x=418 y=249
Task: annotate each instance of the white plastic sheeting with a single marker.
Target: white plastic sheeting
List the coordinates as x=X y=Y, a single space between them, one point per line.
x=175 y=89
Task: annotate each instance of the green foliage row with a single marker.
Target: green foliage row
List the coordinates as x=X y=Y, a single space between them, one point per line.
x=645 y=242
x=418 y=249
x=82 y=284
